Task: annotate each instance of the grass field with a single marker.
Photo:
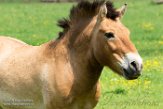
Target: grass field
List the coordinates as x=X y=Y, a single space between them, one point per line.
x=35 y=23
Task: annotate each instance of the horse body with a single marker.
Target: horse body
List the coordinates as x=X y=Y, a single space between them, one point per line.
x=17 y=60
x=47 y=81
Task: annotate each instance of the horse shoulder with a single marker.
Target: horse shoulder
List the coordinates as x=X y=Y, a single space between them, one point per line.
x=58 y=87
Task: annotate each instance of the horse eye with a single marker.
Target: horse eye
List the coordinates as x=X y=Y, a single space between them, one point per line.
x=109 y=35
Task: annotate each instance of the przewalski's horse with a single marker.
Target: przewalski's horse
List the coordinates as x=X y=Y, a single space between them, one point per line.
x=64 y=74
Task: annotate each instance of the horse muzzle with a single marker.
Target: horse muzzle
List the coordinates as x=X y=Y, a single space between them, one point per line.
x=131 y=66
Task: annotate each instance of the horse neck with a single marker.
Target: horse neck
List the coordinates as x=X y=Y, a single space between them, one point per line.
x=78 y=52
x=86 y=69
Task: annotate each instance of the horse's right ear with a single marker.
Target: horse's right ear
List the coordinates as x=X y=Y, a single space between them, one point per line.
x=102 y=12
x=122 y=10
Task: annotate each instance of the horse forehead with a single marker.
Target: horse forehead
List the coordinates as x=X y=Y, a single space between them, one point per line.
x=114 y=26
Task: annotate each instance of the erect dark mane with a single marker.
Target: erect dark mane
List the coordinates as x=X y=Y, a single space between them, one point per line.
x=86 y=9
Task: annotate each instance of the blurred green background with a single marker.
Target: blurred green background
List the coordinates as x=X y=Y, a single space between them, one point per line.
x=35 y=23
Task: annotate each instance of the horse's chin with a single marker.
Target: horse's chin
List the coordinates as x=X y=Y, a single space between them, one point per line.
x=122 y=73
x=129 y=77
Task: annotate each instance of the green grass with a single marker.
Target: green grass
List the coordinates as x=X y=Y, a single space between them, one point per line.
x=35 y=23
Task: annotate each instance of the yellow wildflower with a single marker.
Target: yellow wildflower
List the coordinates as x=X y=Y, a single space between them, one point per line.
x=160 y=42
x=148 y=26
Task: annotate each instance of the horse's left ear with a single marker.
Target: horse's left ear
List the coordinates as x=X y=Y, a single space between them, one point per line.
x=100 y=17
x=102 y=12
x=122 y=10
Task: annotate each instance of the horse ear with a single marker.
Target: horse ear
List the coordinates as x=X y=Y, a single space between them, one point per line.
x=102 y=12
x=101 y=15
x=122 y=10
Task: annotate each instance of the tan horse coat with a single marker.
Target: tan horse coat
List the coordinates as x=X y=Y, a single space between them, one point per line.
x=64 y=74
x=27 y=73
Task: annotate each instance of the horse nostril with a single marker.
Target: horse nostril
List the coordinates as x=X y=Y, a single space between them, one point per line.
x=134 y=65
